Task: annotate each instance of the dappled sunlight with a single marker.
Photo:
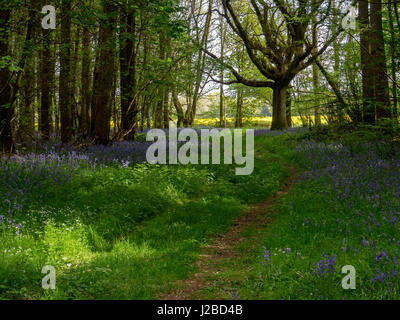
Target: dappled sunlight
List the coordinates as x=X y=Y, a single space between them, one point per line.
x=113 y=230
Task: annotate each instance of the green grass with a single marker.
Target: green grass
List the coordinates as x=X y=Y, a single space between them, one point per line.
x=126 y=233
x=132 y=233
x=312 y=222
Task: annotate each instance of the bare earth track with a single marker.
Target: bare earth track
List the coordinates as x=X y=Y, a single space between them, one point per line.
x=223 y=247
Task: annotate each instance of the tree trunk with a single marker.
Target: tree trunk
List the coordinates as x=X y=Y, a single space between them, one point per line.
x=222 y=118
x=6 y=110
x=316 y=83
x=239 y=109
x=222 y=111
x=336 y=45
x=333 y=84
x=289 y=107
x=74 y=76
x=178 y=107
x=56 y=110
x=167 y=54
x=159 y=109
x=65 y=92
x=166 y=109
x=279 y=121
x=159 y=116
x=103 y=76
x=145 y=99
x=367 y=73
x=128 y=57
x=393 y=59
x=148 y=115
x=381 y=83
x=85 y=82
x=46 y=80
x=26 y=119
x=355 y=110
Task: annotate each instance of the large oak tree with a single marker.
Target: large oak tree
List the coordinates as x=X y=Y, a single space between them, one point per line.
x=279 y=41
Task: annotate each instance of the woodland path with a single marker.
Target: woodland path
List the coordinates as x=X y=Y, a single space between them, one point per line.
x=223 y=248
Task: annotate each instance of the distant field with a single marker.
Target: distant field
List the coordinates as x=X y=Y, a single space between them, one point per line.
x=249 y=122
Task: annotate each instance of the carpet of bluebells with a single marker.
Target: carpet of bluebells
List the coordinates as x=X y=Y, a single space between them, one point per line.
x=364 y=190
x=50 y=162
x=345 y=210
x=82 y=210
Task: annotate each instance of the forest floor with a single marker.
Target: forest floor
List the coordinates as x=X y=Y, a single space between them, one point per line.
x=113 y=229
x=116 y=229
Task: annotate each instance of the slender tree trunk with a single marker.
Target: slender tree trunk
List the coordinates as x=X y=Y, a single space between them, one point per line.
x=336 y=46
x=143 y=110
x=333 y=84
x=159 y=109
x=46 y=81
x=381 y=83
x=316 y=83
x=222 y=115
x=128 y=57
x=159 y=116
x=56 y=107
x=167 y=54
x=366 y=66
x=239 y=109
x=85 y=82
x=26 y=120
x=6 y=109
x=65 y=91
x=148 y=115
x=289 y=107
x=74 y=76
x=393 y=59
x=92 y=110
x=222 y=110
x=166 y=109
x=37 y=90
x=178 y=106
x=113 y=113
x=56 y=114
x=145 y=98
x=355 y=111
x=396 y=12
